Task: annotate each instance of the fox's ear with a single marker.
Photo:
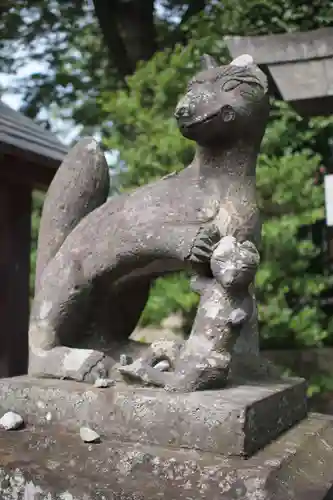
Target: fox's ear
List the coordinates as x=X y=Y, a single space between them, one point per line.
x=208 y=62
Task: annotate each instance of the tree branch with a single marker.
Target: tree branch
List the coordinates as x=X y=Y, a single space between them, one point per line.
x=108 y=25
x=195 y=6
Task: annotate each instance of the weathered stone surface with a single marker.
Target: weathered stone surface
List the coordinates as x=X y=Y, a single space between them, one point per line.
x=232 y=422
x=52 y=463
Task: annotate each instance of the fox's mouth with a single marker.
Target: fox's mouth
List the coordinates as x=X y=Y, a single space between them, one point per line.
x=196 y=123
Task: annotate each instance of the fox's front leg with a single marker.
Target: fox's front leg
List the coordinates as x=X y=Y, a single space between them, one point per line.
x=204 y=244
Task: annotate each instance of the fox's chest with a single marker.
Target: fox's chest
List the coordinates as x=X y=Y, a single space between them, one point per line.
x=239 y=218
x=175 y=203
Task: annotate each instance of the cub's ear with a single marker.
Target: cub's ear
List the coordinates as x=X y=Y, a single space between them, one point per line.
x=208 y=62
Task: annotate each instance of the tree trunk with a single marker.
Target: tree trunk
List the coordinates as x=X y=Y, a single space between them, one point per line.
x=129 y=31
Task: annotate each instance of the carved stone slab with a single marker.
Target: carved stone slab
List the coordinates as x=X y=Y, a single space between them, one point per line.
x=52 y=463
x=300 y=66
x=284 y=47
x=236 y=421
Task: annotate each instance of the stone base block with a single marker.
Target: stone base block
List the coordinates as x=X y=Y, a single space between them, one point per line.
x=52 y=463
x=237 y=421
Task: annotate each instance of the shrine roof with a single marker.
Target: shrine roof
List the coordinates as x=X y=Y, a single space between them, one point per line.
x=20 y=136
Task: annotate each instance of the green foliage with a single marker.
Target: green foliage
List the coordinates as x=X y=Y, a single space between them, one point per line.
x=288 y=284
x=37 y=205
x=63 y=39
x=170 y=294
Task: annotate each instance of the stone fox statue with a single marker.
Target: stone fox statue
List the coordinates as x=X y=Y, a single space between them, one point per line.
x=97 y=257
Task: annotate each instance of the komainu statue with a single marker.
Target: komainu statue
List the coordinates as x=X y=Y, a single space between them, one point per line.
x=98 y=256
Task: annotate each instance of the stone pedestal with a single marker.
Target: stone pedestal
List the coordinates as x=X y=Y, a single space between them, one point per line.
x=236 y=421
x=218 y=445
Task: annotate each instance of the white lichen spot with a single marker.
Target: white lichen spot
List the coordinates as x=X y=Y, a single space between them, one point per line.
x=272 y=463
x=243 y=60
x=225 y=484
x=92 y=146
x=101 y=383
x=130 y=460
x=290 y=451
x=18 y=478
x=48 y=416
x=34 y=333
x=75 y=359
x=255 y=488
x=31 y=491
x=90 y=396
x=66 y=496
x=326 y=445
x=45 y=309
x=125 y=360
x=212 y=310
x=52 y=464
x=212 y=361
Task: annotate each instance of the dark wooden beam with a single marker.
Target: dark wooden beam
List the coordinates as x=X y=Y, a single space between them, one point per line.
x=4 y=278
x=51 y=161
x=16 y=170
x=322 y=106
x=15 y=234
x=304 y=80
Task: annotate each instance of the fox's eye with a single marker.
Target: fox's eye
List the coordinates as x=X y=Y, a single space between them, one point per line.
x=230 y=85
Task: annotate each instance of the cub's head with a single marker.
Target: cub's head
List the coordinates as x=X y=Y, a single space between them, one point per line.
x=224 y=103
x=234 y=264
